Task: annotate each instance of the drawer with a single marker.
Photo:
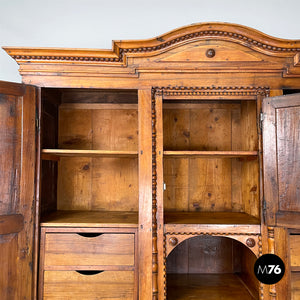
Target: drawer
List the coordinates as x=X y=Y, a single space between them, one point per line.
x=84 y=249
x=295 y=250
x=73 y=285
x=295 y=286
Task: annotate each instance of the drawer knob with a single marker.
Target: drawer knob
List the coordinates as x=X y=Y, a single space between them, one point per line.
x=89 y=273
x=210 y=53
x=250 y=242
x=173 y=241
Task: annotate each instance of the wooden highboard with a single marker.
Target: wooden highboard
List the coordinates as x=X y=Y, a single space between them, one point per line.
x=160 y=169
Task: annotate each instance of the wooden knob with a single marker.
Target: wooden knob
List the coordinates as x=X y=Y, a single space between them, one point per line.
x=210 y=53
x=173 y=241
x=250 y=242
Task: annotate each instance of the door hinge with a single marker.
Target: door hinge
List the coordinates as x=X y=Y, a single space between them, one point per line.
x=261 y=120
x=37 y=124
x=264 y=210
x=37 y=121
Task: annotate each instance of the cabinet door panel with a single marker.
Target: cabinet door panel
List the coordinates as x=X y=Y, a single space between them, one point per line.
x=17 y=174
x=281 y=148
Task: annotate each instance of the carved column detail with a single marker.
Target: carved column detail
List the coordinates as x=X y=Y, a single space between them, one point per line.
x=154 y=207
x=271 y=246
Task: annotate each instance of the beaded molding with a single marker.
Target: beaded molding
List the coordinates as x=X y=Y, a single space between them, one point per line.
x=154 y=205
x=212 y=91
x=200 y=35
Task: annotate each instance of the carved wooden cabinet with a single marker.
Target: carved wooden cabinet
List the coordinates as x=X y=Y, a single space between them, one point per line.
x=160 y=169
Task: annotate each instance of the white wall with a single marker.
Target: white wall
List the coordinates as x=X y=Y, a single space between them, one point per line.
x=95 y=23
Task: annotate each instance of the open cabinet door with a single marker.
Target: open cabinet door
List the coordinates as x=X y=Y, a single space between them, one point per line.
x=281 y=156
x=17 y=190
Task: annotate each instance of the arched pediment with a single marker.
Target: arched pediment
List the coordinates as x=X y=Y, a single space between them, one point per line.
x=197 y=48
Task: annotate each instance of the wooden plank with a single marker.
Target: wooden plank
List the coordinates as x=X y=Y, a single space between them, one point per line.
x=176 y=178
x=210 y=129
x=249 y=137
x=206 y=286
x=176 y=129
x=64 y=218
x=105 y=129
x=270 y=162
x=86 y=184
x=281 y=238
x=212 y=154
x=212 y=228
x=26 y=203
x=11 y=88
x=288 y=149
x=210 y=218
x=11 y=223
x=210 y=255
x=250 y=188
x=295 y=250
x=295 y=285
x=145 y=194
x=104 y=249
x=159 y=197
x=75 y=129
x=55 y=154
x=115 y=129
x=99 y=106
x=71 y=284
x=210 y=185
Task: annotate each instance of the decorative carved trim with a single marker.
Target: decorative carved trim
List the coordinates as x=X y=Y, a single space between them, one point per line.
x=205 y=34
x=154 y=206
x=66 y=58
x=211 y=234
x=203 y=31
x=212 y=91
x=271 y=246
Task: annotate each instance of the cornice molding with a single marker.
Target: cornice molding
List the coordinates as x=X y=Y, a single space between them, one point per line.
x=203 y=31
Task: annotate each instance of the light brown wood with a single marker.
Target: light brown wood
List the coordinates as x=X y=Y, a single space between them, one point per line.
x=145 y=194
x=209 y=287
x=52 y=154
x=71 y=284
x=86 y=184
x=226 y=218
x=10 y=224
x=214 y=184
x=295 y=282
x=17 y=190
x=294 y=250
x=115 y=125
x=98 y=129
x=63 y=218
x=103 y=250
x=212 y=154
x=281 y=141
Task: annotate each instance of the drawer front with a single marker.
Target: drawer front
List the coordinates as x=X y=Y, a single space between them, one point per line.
x=295 y=282
x=107 y=285
x=295 y=250
x=72 y=249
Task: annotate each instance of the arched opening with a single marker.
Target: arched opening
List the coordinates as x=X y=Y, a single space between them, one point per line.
x=210 y=268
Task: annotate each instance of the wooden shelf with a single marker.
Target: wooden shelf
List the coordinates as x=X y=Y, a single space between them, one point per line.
x=207 y=287
x=211 y=154
x=211 y=221
x=64 y=218
x=55 y=154
x=209 y=218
